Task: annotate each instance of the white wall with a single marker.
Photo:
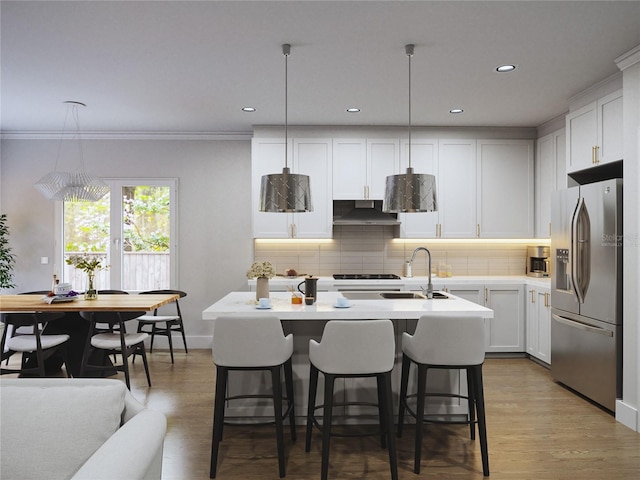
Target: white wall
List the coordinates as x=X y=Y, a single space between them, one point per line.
x=214 y=212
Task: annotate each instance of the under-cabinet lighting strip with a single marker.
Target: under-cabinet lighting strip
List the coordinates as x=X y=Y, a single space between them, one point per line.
x=469 y=241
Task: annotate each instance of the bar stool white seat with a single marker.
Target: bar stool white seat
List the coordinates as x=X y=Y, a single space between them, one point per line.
x=249 y=344
x=445 y=343
x=358 y=348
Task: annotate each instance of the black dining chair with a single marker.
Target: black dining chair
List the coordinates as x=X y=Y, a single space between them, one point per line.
x=34 y=346
x=164 y=325
x=115 y=342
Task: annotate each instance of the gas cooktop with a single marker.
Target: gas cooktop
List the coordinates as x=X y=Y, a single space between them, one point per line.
x=365 y=276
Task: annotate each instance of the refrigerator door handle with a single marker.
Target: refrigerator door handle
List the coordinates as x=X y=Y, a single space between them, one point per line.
x=582 y=326
x=580 y=250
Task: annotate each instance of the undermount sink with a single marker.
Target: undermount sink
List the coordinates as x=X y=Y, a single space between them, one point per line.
x=373 y=295
x=411 y=295
x=401 y=295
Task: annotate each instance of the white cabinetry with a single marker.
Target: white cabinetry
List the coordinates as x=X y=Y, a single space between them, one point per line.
x=594 y=133
x=361 y=166
x=550 y=176
x=505 y=188
x=539 y=323
x=505 y=331
x=457 y=194
x=306 y=156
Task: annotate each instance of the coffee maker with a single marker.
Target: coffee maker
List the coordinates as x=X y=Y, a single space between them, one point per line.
x=538 y=261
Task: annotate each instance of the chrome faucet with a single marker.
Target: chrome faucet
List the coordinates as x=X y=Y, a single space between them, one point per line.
x=429 y=290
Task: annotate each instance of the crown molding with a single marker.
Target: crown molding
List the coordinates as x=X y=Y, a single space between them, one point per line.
x=207 y=136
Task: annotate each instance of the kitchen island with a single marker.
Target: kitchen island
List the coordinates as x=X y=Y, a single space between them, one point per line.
x=307 y=322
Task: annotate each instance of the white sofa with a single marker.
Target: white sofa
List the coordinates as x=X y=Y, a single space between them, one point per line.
x=93 y=429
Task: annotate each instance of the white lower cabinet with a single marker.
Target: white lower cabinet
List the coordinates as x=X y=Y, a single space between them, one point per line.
x=505 y=331
x=539 y=323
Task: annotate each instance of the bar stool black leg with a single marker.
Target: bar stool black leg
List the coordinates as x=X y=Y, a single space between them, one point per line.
x=277 y=408
x=382 y=411
x=288 y=380
x=482 y=426
x=218 y=417
x=329 y=381
x=472 y=403
x=388 y=406
x=404 y=382
x=422 y=389
x=313 y=388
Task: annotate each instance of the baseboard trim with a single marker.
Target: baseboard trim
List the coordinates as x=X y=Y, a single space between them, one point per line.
x=627 y=415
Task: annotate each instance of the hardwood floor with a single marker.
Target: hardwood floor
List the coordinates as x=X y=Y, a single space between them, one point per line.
x=536 y=430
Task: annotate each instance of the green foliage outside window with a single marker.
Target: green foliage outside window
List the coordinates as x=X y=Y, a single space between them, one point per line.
x=145 y=222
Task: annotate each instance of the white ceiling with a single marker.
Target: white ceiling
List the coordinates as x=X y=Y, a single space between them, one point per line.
x=189 y=67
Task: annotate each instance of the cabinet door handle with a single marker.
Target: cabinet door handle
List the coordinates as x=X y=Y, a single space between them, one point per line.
x=533 y=300
x=486 y=296
x=597 y=156
x=546 y=299
x=478 y=231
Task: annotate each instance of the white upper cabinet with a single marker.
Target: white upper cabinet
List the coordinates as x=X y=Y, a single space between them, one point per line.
x=594 y=133
x=457 y=188
x=383 y=159
x=424 y=159
x=361 y=166
x=349 y=168
x=311 y=157
x=505 y=187
x=550 y=176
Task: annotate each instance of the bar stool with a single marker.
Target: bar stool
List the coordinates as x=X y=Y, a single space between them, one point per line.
x=445 y=343
x=250 y=344
x=350 y=349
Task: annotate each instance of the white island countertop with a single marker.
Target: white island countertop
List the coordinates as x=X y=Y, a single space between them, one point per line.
x=324 y=309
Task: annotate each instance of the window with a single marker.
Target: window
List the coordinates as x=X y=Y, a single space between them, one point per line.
x=132 y=229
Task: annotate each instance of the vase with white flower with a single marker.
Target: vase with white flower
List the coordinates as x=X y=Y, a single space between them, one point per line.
x=262 y=272
x=88 y=264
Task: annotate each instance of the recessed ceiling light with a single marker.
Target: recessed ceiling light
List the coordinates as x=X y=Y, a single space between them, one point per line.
x=353 y=109
x=456 y=110
x=505 y=68
x=248 y=109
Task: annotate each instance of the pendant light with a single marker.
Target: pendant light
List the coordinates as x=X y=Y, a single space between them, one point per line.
x=76 y=185
x=286 y=191
x=410 y=192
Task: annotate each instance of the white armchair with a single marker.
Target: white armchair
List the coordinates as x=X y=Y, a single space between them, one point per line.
x=93 y=429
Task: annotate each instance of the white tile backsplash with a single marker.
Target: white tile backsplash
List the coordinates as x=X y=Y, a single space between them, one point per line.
x=357 y=249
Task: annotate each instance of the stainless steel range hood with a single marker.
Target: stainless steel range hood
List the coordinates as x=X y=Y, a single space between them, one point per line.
x=361 y=212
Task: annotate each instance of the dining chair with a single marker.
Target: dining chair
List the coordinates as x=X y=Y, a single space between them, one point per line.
x=115 y=342
x=164 y=325
x=444 y=342
x=34 y=346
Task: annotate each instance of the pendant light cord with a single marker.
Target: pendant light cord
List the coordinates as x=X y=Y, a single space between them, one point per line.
x=286 y=49
x=72 y=107
x=409 y=52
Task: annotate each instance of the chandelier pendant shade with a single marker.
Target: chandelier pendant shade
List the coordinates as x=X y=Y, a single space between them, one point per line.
x=410 y=192
x=285 y=192
x=76 y=185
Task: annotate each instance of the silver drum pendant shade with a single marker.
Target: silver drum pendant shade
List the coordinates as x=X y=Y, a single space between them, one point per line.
x=410 y=192
x=285 y=192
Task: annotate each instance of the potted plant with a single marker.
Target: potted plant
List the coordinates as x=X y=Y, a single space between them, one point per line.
x=7 y=259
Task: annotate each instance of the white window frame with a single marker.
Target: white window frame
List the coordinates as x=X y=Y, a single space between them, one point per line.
x=116 y=227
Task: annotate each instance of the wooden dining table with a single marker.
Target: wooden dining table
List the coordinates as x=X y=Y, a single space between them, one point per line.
x=75 y=326
x=104 y=303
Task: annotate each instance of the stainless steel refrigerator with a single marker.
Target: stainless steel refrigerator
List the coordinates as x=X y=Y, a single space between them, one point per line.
x=586 y=290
